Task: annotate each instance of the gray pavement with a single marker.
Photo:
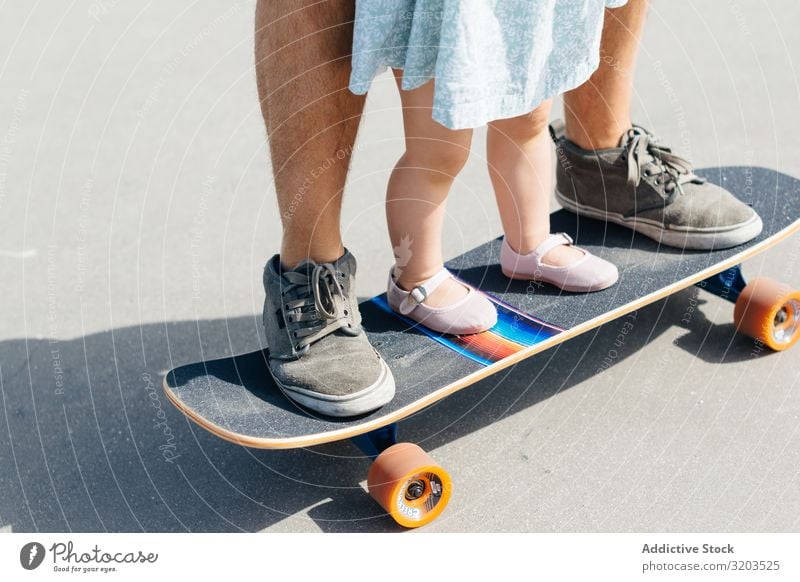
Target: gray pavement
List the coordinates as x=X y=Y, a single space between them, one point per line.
x=137 y=211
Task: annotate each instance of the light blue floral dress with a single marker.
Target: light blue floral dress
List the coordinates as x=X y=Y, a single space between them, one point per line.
x=491 y=59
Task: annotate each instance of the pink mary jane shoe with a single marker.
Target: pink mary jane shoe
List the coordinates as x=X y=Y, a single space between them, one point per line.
x=472 y=314
x=589 y=273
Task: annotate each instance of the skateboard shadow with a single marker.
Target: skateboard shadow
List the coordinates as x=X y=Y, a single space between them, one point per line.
x=92 y=444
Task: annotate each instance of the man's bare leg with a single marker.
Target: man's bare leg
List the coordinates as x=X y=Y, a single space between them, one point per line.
x=656 y=195
x=319 y=355
x=303 y=52
x=598 y=112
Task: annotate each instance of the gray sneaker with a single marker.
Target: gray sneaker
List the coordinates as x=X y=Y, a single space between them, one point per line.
x=318 y=354
x=644 y=186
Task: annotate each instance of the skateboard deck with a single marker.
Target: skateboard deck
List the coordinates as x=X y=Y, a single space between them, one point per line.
x=236 y=399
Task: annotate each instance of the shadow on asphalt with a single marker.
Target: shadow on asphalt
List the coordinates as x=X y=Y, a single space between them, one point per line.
x=92 y=444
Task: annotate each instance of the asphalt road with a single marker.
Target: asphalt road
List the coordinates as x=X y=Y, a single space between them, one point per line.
x=137 y=212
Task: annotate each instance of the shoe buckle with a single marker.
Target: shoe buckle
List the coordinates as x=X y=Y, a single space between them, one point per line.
x=418 y=294
x=567 y=237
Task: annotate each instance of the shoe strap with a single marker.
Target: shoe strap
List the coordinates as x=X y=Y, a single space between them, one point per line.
x=557 y=130
x=421 y=292
x=551 y=242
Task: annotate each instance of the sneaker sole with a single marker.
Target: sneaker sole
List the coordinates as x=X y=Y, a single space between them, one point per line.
x=692 y=239
x=371 y=398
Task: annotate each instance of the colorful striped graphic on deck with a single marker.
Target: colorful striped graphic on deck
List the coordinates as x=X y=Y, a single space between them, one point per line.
x=513 y=332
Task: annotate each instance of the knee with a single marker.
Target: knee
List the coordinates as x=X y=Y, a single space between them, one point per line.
x=524 y=127
x=443 y=158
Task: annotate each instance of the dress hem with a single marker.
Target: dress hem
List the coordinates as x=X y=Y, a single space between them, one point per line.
x=491 y=109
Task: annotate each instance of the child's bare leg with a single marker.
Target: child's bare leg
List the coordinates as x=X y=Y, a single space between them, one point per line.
x=418 y=188
x=520 y=166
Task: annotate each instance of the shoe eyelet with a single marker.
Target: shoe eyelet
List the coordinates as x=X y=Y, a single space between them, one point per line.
x=346 y=312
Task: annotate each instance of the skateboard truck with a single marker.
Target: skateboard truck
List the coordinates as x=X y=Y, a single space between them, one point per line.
x=373 y=443
x=728 y=284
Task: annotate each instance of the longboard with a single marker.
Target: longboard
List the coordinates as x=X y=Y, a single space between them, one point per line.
x=236 y=399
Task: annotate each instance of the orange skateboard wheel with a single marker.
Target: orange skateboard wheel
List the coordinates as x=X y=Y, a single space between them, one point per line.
x=769 y=311
x=409 y=485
